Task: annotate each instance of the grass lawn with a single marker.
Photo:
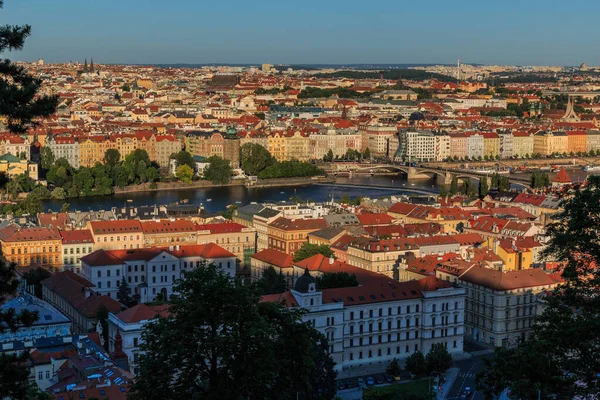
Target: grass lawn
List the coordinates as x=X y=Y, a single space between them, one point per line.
x=417 y=387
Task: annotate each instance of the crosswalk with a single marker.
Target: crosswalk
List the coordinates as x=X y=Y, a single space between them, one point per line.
x=466 y=375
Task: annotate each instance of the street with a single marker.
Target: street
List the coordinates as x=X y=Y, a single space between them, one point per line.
x=466 y=377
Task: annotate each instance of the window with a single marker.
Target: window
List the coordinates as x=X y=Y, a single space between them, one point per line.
x=417 y=308
x=107 y=284
x=135 y=342
x=99 y=274
x=99 y=285
x=434 y=307
x=47 y=374
x=108 y=272
x=454 y=344
x=351 y=315
x=40 y=375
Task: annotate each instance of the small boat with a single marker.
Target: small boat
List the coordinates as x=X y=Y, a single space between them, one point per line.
x=208 y=199
x=130 y=200
x=238 y=202
x=281 y=192
x=591 y=168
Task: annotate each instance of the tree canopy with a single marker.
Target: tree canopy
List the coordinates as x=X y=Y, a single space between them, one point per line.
x=332 y=280
x=290 y=169
x=254 y=158
x=218 y=171
x=21 y=105
x=184 y=158
x=271 y=282
x=310 y=249
x=562 y=347
x=20 y=101
x=217 y=332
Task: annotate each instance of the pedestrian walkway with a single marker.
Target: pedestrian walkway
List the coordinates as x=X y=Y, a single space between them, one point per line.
x=466 y=375
x=445 y=388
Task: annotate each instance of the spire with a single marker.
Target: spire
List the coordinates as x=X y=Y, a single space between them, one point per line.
x=91 y=65
x=570 y=114
x=85 y=66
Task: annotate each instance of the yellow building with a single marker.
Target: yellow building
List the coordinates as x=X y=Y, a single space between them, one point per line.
x=297 y=147
x=523 y=144
x=13 y=166
x=117 y=234
x=514 y=256
x=288 y=235
x=547 y=143
x=27 y=246
x=276 y=145
x=491 y=144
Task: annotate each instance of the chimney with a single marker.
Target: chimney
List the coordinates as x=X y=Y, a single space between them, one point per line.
x=88 y=292
x=177 y=247
x=331 y=260
x=170 y=248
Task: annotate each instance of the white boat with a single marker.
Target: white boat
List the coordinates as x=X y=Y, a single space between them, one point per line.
x=281 y=192
x=208 y=199
x=591 y=168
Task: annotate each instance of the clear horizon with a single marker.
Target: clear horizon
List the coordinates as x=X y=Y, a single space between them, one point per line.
x=529 y=33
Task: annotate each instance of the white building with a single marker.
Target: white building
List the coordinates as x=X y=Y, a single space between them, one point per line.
x=374 y=324
x=475 y=146
x=75 y=244
x=130 y=324
x=442 y=147
x=151 y=271
x=339 y=141
x=506 y=145
x=420 y=145
x=66 y=147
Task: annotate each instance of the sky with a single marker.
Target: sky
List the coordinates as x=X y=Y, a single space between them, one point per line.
x=524 y=32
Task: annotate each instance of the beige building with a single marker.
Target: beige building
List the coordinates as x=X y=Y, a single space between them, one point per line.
x=379 y=255
x=116 y=235
x=500 y=307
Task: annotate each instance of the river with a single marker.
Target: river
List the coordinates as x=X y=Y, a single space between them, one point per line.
x=220 y=197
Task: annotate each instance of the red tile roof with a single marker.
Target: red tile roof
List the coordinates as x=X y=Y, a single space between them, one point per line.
x=222 y=227
x=142 y=312
x=54 y=220
x=78 y=236
x=117 y=226
x=168 y=226
x=274 y=257
x=367 y=219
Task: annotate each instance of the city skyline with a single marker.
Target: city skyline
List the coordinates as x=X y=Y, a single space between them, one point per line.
x=333 y=33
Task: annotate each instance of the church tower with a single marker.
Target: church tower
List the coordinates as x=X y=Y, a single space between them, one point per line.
x=91 y=65
x=85 y=66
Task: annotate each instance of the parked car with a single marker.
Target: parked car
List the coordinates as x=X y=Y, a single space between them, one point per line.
x=379 y=380
x=361 y=382
x=370 y=381
x=389 y=379
x=412 y=376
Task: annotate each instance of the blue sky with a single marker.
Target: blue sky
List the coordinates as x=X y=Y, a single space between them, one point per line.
x=525 y=32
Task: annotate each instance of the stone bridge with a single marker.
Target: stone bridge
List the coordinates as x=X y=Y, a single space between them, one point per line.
x=415 y=173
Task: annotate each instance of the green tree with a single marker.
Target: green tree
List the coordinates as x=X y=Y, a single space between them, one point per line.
x=416 y=364
x=443 y=191
x=367 y=154
x=221 y=322
x=454 y=186
x=332 y=280
x=20 y=101
x=439 y=360
x=309 y=249
x=184 y=158
x=561 y=354
x=271 y=282
x=218 y=171
x=13 y=374
x=123 y=294
x=393 y=368
x=329 y=156
x=112 y=157
x=483 y=187
x=254 y=158
x=35 y=277
x=47 y=158
x=184 y=173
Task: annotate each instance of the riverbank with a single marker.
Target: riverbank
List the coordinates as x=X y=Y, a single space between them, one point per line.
x=201 y=184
